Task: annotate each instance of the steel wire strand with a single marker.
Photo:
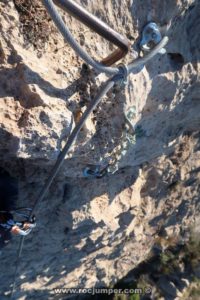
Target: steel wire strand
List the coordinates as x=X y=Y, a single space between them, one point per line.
x=104 y=90
x=51 y=8
x=143 y=60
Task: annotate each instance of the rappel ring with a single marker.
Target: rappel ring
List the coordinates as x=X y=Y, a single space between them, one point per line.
x=151 y=36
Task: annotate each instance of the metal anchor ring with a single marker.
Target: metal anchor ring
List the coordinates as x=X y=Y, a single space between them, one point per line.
x=99 y=27
x=151 y=36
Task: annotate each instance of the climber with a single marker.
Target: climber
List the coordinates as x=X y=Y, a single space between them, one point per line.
x=9 y=226
x=8 y=200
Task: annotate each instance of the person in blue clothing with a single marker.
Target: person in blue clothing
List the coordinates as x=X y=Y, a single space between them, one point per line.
x=8 y=199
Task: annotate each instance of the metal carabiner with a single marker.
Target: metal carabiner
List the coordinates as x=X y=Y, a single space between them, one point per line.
x=95 y=171
x=151 y=36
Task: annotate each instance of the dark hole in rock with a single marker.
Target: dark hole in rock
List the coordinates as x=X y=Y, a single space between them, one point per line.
x=8 y=201
x=66 y=230
x=176 y=60
x=85 y=67
x=8 y=191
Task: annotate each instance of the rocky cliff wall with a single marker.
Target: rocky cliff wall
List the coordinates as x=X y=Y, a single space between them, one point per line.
x=93 y=232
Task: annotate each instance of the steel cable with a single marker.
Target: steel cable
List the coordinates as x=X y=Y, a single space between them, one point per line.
x=80 y=52
x=120 y=74
x=73 y=43
x=104 y=90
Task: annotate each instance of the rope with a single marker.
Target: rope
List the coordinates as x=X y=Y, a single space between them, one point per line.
x=80 y=52
x=120 y=73
x=106 y=87
x=72 y=42
x=19 y=252
x=143 y=60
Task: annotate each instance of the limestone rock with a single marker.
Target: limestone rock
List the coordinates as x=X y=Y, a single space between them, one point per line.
x=93 y=232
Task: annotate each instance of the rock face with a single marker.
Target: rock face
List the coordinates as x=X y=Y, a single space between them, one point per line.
x=93 y=232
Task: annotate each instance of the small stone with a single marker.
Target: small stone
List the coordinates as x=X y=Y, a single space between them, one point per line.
x=171 y=231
